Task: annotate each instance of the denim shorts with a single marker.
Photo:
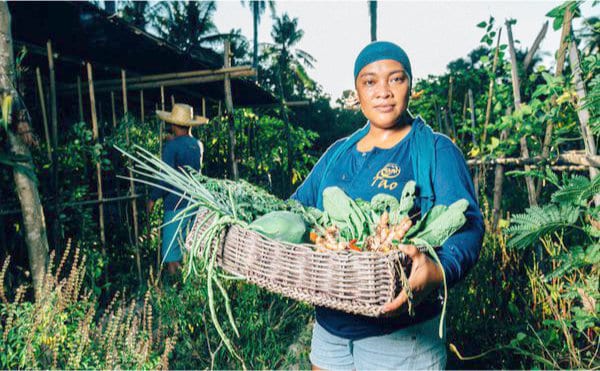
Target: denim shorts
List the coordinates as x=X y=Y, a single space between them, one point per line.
x=417 y=347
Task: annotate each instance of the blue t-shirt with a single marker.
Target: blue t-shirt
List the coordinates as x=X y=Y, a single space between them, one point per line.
x=178 y=153
x=365 y=174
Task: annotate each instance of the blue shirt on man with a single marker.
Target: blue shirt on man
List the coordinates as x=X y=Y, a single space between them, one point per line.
x=178 y=152
x=365 y=174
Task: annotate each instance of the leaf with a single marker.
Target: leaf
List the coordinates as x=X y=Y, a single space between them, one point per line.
x=481 y=24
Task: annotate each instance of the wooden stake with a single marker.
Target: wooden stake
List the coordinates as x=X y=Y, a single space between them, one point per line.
x=44 y=114
x=560 y=65
x=583 y=113
x=124 y=91
x=203 y=107
x=229 y=105
x=488 y=108
x=98 y=168
x=80 y=99
x=172 y=101
x=134 y=211
x=54 y=118
x=114 y=113
x=142 y=116
x=517 y=100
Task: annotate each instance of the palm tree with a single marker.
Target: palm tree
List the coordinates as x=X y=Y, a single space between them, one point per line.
x=287 y=73
x=373 y=17
x=287 y=62
x=135 y=12
x=258 y=9
x=186 y=24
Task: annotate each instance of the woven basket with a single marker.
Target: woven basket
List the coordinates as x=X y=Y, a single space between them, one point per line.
x=353 y=282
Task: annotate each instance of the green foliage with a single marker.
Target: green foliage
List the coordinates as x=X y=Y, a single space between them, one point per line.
x=526 y=229
x=63 y=330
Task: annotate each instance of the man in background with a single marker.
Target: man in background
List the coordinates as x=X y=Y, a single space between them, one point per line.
x=181 y=151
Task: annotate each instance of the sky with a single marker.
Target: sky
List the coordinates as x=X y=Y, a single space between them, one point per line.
x=432 y=33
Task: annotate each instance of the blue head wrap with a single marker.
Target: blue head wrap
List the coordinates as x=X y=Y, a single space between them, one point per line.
x=380 y=50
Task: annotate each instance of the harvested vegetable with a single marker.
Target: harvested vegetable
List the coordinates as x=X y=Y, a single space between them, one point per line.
x=281 y=226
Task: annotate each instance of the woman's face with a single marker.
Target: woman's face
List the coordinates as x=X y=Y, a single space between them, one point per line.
x=382 y=88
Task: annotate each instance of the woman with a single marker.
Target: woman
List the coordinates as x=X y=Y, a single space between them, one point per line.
x=390 y=150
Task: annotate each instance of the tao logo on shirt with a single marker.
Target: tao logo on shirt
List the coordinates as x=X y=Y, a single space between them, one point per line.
x=388 y=172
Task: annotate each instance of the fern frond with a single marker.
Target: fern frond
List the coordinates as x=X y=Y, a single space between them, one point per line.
x=577 y=191
x=527 y=228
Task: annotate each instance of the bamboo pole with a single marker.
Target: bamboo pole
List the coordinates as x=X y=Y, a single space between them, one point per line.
x=583 y=113
x=124 y=91
x=488 y=108
x=560 y=65
x=44 y=114
x=567 y=158
x=79 y=203
x=114 y=113
x=534 y=47
x=54 y=118
x=229 y=105
x=158 y=78
x=179 y=82
x=80 y=99
x=449 y=115
x=98 y=168
x=142 y=116
x=473 y=120
x=517 y=102
x=499 y=181
x=134 y=211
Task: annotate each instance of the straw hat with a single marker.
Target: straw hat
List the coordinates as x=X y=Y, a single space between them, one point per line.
x=182 y=115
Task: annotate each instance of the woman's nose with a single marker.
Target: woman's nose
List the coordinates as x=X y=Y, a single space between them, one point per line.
x=383 y=90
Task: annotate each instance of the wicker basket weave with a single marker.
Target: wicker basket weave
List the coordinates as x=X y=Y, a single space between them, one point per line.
x=353 y=282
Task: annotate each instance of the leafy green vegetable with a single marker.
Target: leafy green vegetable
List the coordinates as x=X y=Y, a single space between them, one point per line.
x=281 y=226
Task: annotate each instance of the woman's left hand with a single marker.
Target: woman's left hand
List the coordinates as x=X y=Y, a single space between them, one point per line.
x=425 y=276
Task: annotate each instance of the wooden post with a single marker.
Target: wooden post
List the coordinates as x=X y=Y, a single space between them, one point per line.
x=98 y=168
x=464 y=116
x=54 y=118
x=449 y=109
x=134 y=212
x=473 y=139
x=80 y=99
x=229 y=105
x=517 y=99
x=203 y=107
x=142 y=116
x=124 y=91
x=499 y=181
x=172 y=101
x=114 y=113
x=488 y=108
x=44 y=114
x=560 y=65
x=583 y=113
x=473 y=120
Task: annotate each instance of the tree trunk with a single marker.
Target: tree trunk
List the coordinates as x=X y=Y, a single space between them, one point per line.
x=373 y=17
x=26 y=188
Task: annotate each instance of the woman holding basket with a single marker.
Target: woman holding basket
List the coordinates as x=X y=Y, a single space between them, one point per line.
x=393 y=148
